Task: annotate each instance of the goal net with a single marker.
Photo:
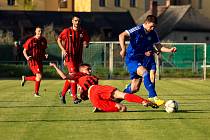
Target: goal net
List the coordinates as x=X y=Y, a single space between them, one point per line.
x=188 y=62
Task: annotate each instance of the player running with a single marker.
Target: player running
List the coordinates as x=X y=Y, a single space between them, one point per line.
x=142 y=38
x=34 y=52
x=71 y=41
x=101 y=96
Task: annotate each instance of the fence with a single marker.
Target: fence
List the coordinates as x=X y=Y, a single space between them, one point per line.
x=190 y=60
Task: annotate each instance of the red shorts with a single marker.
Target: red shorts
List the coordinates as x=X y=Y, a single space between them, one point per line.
x=72 y=67
x=35 y=68
x=100 y=97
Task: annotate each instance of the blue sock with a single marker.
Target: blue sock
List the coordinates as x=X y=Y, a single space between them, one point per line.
x=153 y=84
x=128 y=89
x=149 y=85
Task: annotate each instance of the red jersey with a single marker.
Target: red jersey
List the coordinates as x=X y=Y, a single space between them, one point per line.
x=84 y=80
x=36 y=48
x=73 y=43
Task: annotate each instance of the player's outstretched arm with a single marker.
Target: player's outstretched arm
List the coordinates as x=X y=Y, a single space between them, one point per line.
x=161 y=48
x=62 y=75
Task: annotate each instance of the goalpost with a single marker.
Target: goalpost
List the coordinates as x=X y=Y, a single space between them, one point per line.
x=190 y=61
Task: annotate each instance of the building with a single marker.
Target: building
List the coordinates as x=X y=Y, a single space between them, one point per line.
x=37 y=5
x=187 y=17
x=179 y=23
x=135 y=7
x=102 y=26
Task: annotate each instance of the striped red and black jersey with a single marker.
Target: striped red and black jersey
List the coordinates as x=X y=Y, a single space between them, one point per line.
x=73 y=44
x=36 y=48
x=84 y=80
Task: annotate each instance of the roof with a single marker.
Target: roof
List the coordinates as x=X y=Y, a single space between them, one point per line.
x=179 y=18
x=94 y=22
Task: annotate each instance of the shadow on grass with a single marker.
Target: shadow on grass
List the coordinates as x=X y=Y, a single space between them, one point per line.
x=104 y=120
x=179 y=111
x=46 y=106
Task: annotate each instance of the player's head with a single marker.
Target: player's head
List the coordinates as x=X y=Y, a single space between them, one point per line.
x=38 y=31
x=85 y=68
x=75 y=21
x=150 y=23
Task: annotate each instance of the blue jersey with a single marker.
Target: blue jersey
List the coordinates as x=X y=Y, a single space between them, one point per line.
x=140 y=42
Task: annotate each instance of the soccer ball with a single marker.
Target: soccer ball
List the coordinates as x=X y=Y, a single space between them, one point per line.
x=171 y=106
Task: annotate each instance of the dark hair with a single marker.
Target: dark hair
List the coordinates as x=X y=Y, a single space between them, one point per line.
x=38 y=26
x=151 y=18
x=85 y=64
x=75 y=15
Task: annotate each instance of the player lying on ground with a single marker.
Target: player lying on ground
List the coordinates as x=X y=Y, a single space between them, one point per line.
x=101 y=96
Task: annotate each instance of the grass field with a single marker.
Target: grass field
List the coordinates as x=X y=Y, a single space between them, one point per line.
x=24 y=117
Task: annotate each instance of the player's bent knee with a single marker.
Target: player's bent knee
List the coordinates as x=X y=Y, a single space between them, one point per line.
x=38 y=77
x=141 y=70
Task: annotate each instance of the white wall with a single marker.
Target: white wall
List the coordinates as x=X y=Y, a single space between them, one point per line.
x=178 y=36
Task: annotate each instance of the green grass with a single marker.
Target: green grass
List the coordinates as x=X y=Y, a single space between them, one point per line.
x=24 y=117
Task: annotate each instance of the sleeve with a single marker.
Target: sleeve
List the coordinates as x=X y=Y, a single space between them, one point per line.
x=27 y=44
x=63 y=34
x=131 y=32
x=76 y=76
x=86 y=81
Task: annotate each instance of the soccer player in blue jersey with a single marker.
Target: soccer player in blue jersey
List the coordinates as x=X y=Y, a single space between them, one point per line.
x=150 y=64
x=144 y=41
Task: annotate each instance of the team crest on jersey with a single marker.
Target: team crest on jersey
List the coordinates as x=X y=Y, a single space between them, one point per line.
x=42 y=43
x=81 y=35
x=149 y=38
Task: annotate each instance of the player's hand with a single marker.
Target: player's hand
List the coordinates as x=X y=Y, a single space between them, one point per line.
x=173 y=49
x=148 y=53
x=52 y=64
x=85 y=44
x=122 y=53
x=64 y=53
x=46 y=56
x=29 y=58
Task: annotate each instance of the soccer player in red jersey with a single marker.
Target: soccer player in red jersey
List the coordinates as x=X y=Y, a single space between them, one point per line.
x=101 y=96
x=71 y=41
x=34 y=52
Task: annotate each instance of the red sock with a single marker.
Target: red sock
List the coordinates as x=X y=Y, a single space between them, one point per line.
x=65 y=87
x=37 y=85
x=74 y=89
x=30 y=78
x=133 y=98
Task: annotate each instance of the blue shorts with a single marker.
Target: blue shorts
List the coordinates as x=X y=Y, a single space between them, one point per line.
x=132 y=65
x=149 y=63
